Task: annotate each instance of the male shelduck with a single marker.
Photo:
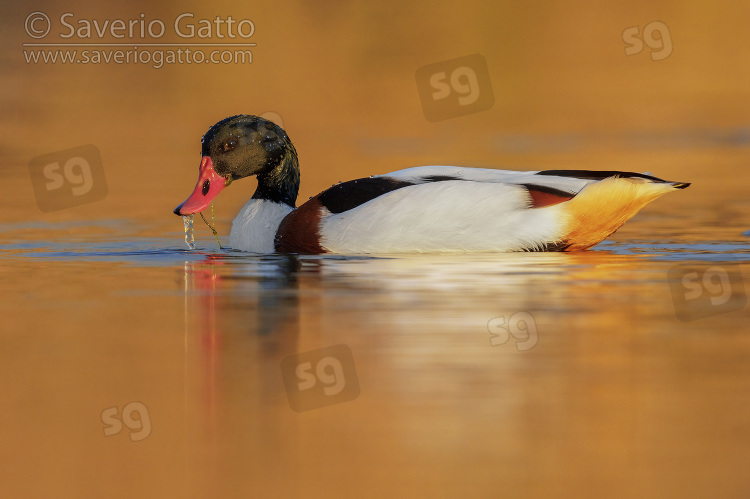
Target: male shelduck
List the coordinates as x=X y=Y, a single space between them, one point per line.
x=422 y=209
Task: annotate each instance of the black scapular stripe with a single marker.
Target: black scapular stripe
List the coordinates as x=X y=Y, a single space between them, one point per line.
x=439 y=178
x=348 y=195
x=596 y=175
x=549 y=190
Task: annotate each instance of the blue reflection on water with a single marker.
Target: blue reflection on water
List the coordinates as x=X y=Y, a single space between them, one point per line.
x=162 y=251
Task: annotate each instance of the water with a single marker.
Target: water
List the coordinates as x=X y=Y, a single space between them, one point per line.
x=187 y=220
x=467 y=373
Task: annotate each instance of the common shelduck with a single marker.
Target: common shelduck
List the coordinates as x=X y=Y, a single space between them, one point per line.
x=421 y=209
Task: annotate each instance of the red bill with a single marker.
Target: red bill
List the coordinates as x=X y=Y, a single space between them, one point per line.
x=208 y=187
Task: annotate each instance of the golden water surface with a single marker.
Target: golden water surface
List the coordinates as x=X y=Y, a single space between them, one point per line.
x=133 y=367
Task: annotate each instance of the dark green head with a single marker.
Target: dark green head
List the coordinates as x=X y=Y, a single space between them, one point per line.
x=241 y=146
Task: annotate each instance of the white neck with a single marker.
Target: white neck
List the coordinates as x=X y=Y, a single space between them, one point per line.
x=254 y=228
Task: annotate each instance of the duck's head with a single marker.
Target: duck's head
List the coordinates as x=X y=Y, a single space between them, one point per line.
x=241 y=146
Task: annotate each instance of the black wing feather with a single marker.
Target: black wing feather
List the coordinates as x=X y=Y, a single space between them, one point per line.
x=596 y=175
x=348 y=195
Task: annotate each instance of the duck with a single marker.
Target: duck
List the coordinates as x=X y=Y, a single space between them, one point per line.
x=423 y=209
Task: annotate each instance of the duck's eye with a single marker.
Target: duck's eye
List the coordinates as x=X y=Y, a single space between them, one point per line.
x=229 y=145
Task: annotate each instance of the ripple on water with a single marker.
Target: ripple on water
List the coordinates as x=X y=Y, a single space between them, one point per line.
x=114 y=240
